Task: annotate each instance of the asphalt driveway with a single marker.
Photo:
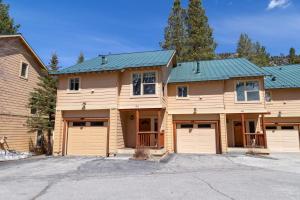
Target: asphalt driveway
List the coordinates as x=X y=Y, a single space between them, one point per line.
x=182 y=177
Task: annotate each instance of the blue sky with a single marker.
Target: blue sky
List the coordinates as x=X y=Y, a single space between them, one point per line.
x=101 y=27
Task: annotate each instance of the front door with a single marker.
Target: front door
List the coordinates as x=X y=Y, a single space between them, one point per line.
x=238 y=134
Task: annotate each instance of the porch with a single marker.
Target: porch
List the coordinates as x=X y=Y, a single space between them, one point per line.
x=246 y=130
x=142 y=128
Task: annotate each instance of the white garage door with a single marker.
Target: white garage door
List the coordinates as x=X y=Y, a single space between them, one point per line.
x=283 y=138
x=196 y=138
x=87 y=138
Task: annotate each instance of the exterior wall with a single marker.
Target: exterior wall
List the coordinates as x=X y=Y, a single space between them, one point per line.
x=15 y=92
x=169 y=133
x=128 y=101
x=231 y=106
x=205 y=97
x=223 y=132
x=284 y=103
x=97 y=90
x=58 y=133
x=116 y=138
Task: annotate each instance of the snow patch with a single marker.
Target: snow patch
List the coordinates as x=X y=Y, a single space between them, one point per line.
x=13 y=155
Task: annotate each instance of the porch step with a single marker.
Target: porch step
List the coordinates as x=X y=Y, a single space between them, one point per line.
x=131 y=152
x=248 y=150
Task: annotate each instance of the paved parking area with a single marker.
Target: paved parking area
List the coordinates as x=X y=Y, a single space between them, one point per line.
x=182 y=177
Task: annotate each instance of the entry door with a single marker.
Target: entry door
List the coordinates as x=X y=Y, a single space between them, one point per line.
x=238 y=134
x=145 y=125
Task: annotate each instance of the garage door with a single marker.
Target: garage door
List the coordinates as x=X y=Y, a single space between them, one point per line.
x=283 y=138
x=196 y=138
x=87 y=138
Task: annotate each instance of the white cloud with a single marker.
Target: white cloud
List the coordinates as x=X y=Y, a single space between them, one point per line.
x=278 y=4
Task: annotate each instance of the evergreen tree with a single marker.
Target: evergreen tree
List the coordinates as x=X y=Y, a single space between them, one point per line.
x=254 y=52
x=200 y=43
x=7 y=25
x=43 y=102
x=175 y=30
x=292 y=56
x=80 y=58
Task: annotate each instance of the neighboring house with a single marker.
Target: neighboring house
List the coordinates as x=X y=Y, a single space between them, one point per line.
x=116 y=103
x=20 y=69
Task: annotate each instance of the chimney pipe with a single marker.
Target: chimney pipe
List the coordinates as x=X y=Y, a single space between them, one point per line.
x=198 y=68
x=103 y=60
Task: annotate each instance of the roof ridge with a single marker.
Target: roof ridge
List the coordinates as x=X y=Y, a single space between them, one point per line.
x=214 y=60
x=136 y=52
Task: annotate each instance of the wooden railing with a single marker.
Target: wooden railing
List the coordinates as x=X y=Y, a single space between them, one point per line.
x=153 y=140
x=255 y=140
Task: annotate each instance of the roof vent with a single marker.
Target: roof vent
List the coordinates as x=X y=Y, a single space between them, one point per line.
x=274 y=78
x=103 y=60
x=197 y=71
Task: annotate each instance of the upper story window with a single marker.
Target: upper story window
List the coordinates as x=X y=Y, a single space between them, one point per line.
x=268 y=96
x=24 y=70
x=74 y=84
x=182 y=91
x=247 y=91
x=144 y=83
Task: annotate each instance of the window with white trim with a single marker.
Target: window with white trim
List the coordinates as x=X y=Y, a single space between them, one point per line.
x=24 y=70
x=144 y=83
x=182 y=91
x=74 y=84
x=247 y=91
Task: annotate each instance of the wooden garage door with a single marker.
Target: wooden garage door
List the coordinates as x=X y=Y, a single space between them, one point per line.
x=196 y=138
x=87 y=138
x=283 y=138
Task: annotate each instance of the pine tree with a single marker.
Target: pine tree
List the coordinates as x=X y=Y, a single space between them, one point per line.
x=43 y=101
x=175 y=30
x=200 y=43
x=292 y=56
x=253 y=51
x=80 y=58
x=7 y=25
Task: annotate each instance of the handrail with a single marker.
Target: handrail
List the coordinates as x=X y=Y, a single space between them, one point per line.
x=151 y=139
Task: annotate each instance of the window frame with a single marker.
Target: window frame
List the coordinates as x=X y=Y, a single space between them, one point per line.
x=79 y=87
x=187 y=92
x=27 y=70
x=270 y=93
x=141 y=73
x=245 y=92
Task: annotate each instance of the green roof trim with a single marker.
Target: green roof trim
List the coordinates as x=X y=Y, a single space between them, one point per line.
x=121 y=61
x=214 y=70
x=286 y=76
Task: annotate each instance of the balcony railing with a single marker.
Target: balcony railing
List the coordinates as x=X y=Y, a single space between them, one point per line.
x=255 y=140
x=153 y=140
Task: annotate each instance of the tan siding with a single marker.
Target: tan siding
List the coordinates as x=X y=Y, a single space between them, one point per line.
x=169 y=133
x=98 y=91
x=284 y=101
x=58 y=134
x=127 y=101
x=15 y=92
x=231 y=106
x=223 y=132
x=206 y=97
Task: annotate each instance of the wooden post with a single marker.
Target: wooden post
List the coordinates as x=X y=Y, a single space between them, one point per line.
x=137 y=127
x=264 y=130
x=243 y=128
x=158 y=128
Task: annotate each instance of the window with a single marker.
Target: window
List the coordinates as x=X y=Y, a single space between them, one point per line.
x=33 y=111
x=24 y=70
x=144 y=83
x=182 y=91
x=271 y=127
x=97 y=123
x=74 y=84
x=186 y=125
x=204 y=125
x=287 y=127
x=268 y=96
x=247 y=91
x=79 y=123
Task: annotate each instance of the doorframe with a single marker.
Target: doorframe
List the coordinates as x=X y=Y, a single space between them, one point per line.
x=217 y=132
x=233 y=121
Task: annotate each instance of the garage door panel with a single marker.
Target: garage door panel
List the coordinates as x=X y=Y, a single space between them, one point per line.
x=87 y=141
x=196 y=140
x=283 y=140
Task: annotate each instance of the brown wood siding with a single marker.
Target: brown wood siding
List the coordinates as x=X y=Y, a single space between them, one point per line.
x=97 y=90
x=206 y=97
x=285 y=103
x=15 y=91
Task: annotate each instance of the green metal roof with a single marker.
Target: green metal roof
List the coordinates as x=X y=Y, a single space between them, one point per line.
x=121 y=61
x=214 y=70
x=287 y=76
